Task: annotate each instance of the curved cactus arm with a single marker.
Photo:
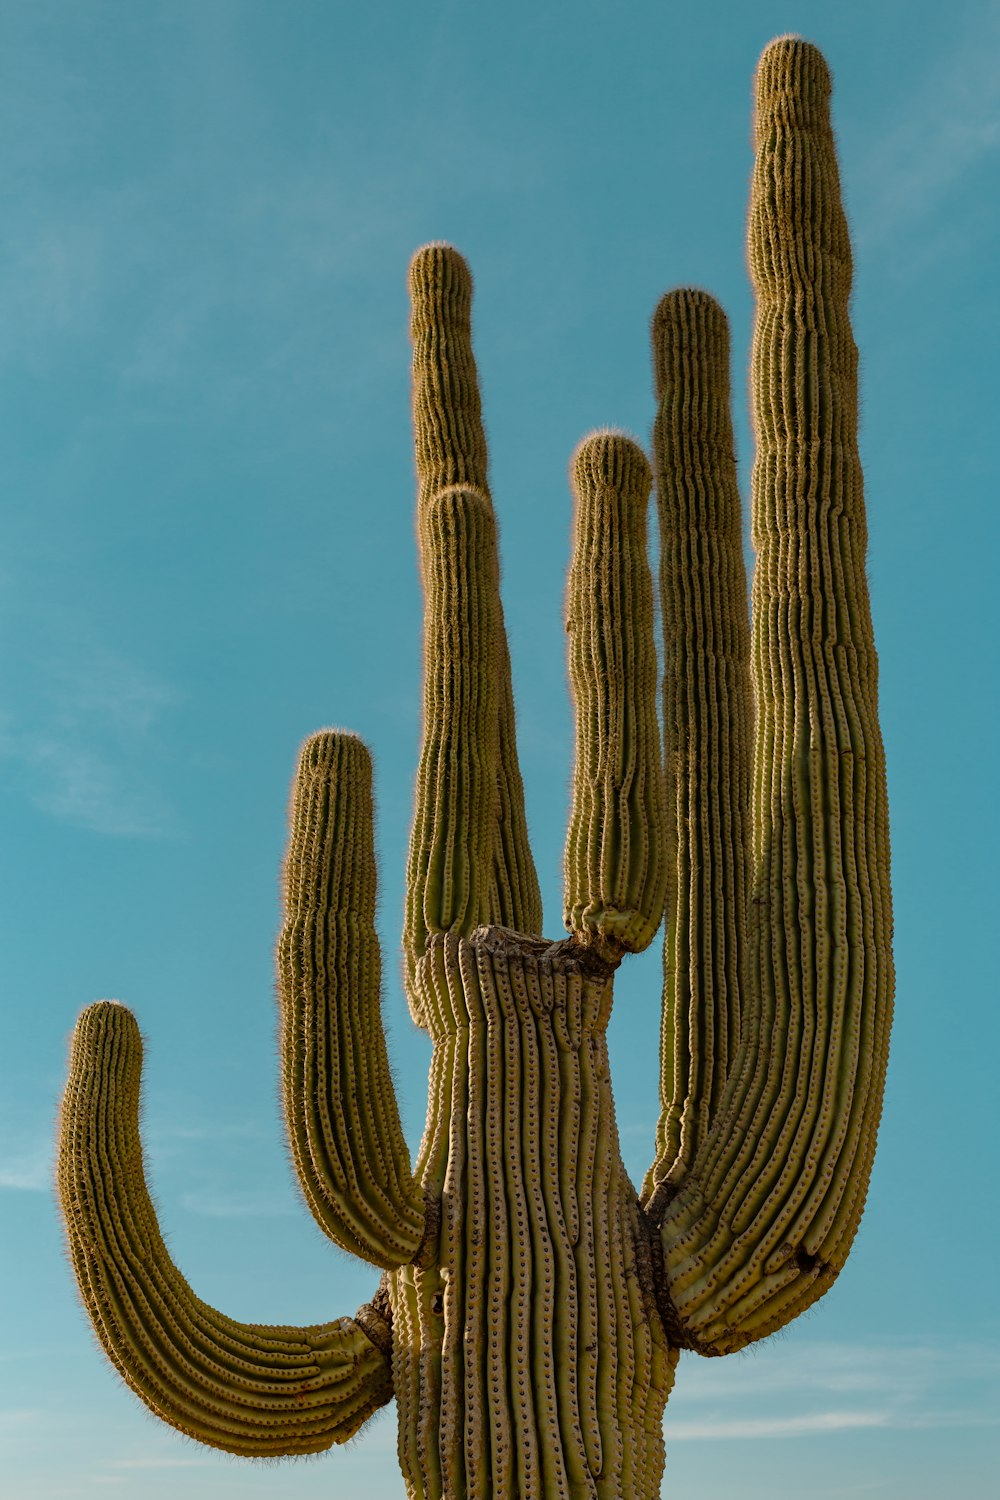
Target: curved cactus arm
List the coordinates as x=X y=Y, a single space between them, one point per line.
x=707 y=724
x=765 y=1218
x=450 y=448
x=615 y=863
x=347 y=1143
x=256 y=1391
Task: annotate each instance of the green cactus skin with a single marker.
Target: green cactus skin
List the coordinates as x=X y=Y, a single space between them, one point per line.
x=615 y=865
x=350 y=1155
x=532 y=1306
x=528 y=1358
x=450 y=447
x=707 y=718
x=450 y=885
x=755 y=1226
x=250 y=1390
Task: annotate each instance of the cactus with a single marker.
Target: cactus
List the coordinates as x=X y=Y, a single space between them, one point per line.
x=533 y=1305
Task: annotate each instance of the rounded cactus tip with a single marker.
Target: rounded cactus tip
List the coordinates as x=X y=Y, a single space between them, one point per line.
x=439 y=268
x=103 y=1019
x=460 y=499
x=687 y=312
x=330 y=750
x=791 y=67
x=688 y=328
x=611 y=459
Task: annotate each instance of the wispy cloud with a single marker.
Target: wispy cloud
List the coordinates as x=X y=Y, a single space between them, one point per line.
x=776 y=1427
x=79 y=727
x=950 y=126
x=155 y=1462
x=26 y=1163
x=782 y=1391
x=248 y=1204
x=165 y=1137
x=15 y=1418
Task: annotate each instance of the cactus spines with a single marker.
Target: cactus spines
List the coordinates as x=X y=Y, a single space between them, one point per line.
x=615 y=865
x=528 y=1359
x=532 y=1306
x=251 y=1390
x=350 y=1155
x=450 y=448
x=707 y=721
x=449 y=879
x=764 y=1216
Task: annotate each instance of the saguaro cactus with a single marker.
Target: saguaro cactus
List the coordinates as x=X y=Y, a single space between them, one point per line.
x=533 y=1304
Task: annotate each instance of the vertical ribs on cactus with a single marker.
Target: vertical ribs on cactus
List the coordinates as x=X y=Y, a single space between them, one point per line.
x=533 y=1303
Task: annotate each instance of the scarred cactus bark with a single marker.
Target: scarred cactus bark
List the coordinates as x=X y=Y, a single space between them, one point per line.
x=532 y=1304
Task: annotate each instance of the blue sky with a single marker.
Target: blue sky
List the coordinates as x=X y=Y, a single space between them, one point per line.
x=207 y=552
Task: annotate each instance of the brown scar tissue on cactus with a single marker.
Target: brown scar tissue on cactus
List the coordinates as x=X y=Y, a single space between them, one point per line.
x=532 y=1303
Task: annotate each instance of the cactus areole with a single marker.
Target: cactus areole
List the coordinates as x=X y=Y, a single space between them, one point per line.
x=532 y=1303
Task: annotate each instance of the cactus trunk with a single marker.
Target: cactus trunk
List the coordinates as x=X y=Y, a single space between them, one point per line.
x=529 y=1358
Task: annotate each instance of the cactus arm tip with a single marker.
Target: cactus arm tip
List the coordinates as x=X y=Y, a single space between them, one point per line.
x=347 y=1143
x=248 y=1389
x=614 y=864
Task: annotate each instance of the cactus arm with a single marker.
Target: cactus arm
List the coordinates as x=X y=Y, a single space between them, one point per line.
x=255 y=1391
x=449 y=885
x=765 y=1218
x=347 y=1143
x=450 y=448
x=615 y=864
x=708 y=724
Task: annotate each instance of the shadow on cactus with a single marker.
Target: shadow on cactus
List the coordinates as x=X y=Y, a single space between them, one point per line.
x=532 y=1303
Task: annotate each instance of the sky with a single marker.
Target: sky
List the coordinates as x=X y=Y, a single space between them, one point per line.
x=207 y=552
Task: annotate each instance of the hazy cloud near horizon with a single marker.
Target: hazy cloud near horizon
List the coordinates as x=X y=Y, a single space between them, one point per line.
x=831 y=1387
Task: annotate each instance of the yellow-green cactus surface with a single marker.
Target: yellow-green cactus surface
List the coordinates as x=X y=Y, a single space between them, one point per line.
x=532 y=1303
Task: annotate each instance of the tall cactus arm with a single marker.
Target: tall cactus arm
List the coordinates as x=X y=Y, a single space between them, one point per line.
x=450 y=448
x=615 y=864
x=707 y=723
x=765 y=1217
x=455 y=816
x=250 y=1390
x=350 y=1154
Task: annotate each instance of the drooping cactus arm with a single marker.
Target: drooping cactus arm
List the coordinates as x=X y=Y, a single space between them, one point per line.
x=766 y=1217
x=708 y=725
x=340 y=1105
x=255 y=1391
x=450 y=450
x=615 y=863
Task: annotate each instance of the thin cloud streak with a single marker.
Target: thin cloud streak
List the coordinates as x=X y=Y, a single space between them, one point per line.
x=85 y=718
x=951 y=124
x=236 y=1205
x=15 y=1418
x=774 y=1427
x=903 y=1369
x=27 y=1166
x=786 y=1392
x=160 y=1463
